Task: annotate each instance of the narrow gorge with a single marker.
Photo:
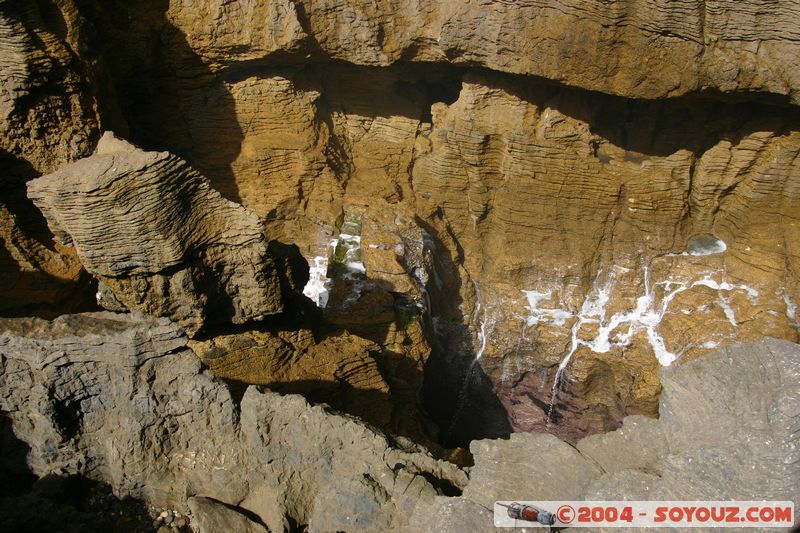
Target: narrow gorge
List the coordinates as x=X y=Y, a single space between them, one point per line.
x=322 y=265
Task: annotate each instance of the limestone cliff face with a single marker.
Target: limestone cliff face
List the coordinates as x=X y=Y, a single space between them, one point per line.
x=602 y=239
x=635 y=48
x=48 y=117
x=564 y=196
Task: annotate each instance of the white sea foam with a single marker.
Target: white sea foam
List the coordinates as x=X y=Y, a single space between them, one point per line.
x=645 y=316
x=791 y=308
x=355 y=266
x=554 y=316
x=706 y=245
x=318 y=284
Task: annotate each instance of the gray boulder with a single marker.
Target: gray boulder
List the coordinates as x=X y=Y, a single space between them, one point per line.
x=119 y=399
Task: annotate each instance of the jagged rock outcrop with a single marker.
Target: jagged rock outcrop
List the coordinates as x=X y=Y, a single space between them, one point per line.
x=367 y=357
x=558 y=223
x=155 y=233
x=398 y=251
x=559 y=220
x=378 y=383
x=728 y=430
x=118 y=398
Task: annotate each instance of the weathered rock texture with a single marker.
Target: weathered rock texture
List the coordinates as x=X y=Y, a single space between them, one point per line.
x=118 y=398
x=342 y=371
x=728 y=430
x=152 y=230
x=574 y=228
x=49 y=116
x=546 y=218
x=633 y=48
x=505 y=183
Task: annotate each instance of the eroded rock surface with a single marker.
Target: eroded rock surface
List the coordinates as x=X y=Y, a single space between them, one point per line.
x=371 y=370
x=152 y=230
x=118 y=398
x=728 y=430
x=632 y=48
x=555 y=227
x=49 y=116
x=562 y=243
x=339 y=370
x=576 y=230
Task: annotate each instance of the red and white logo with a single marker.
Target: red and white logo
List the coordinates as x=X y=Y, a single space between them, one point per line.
x=684 y=514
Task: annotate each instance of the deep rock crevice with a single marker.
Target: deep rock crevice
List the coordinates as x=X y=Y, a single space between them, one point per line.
x=453 y=222
x=215 y=117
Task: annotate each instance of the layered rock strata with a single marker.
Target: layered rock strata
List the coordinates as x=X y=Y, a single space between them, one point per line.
x=156 y=235
x=595 y=249
x=118 y=398
x=562 y=243
x=49 y=116
x=558 y=223
x=633 y=48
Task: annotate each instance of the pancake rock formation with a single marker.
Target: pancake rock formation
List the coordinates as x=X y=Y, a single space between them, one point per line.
x=514 y=216
x=634 y=48
x=158 y=238
x=541 y=175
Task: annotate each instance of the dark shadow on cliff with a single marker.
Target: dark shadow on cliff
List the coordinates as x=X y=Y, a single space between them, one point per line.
x=169 y=98
x=644 y=128
x=15 y=477
x=41 y=288
x=654 y=128
x=457 y=393
x=16 y=172
x=36 y=293
x=58 y=503
x=404 y=89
